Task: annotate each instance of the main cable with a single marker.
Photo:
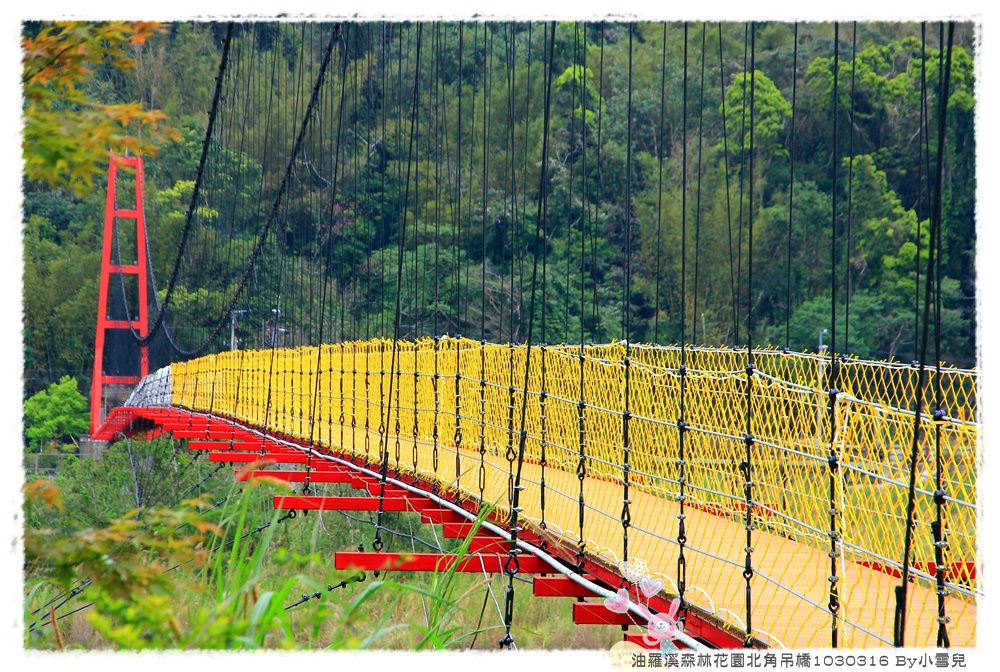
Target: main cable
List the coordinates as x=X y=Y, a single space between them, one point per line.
x=512 y=566
x=899 y=631
x=791 y=193
x=383 y=440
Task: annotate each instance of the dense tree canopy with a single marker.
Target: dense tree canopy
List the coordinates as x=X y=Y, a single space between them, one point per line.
x=454 y=266
x=54 y=416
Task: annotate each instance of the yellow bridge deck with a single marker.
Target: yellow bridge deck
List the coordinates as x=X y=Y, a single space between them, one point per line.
x=714 y=553
x=471 y=395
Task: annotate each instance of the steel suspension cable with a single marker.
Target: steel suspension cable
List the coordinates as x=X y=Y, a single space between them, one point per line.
x=511 y=454
x=458 y=272
x=923 y=168
x=581 y=468
x=282 y=188
x=417 y=286
x=747 y=466
x=383 y=238
x=697 y=207
x=542 y=392
x=512 y=144
x=833 y=458
x=938 y=530
x=419 y=291
x=684 y=189
x=545 y=266
x=570 y=207
x=682 y=370
x=659 y=187
x=383 y=447
x=524 y=169
x=395 y=368
x=626 y=518
x=487 y=90
x=899 y=630
x=439 y=157
x=600 y=184
x=743 y=158
x=512 y=565
x=185 y=232
x=326 y=278
x=729 y=198
x=791 y=192
x=471 y=178
x=370 y=149
x=149 y=257
x=850 y=195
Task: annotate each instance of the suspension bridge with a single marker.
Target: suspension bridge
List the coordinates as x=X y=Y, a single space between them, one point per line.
x=783 y=498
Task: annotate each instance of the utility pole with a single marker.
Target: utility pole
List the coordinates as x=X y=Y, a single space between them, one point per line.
x=232 y=328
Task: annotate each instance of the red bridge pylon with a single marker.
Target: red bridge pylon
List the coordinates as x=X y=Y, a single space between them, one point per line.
x=138 y=268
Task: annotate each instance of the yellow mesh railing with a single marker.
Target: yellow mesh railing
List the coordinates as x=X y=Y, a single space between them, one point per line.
x=454 y=413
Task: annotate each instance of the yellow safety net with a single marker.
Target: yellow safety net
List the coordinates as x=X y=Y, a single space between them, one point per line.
x=451 y=413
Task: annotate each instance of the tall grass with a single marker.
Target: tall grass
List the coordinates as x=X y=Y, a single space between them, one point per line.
x=203 y=577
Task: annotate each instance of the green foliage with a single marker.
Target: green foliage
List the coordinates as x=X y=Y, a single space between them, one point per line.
x=770 y=110
x=199 y=577
x=345 y=249
x=68 y=134
x=54 y=417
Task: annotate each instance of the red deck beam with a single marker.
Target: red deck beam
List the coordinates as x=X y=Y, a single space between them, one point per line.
x=460 y=530
x=278 y=458
x=637 y=638
x=345 y=503
x=315 y=476
x=559 y=586
x=374 y=488
x=695 y=625
x=158 y=411
x=487 y=543
x=188 y=433
x=698 y=627
x=363 y=481
x=235 y=444
x=492 y=563
x=441 y=516
x=595 y=613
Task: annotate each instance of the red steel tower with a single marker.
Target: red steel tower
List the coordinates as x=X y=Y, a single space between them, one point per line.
x=109 y=267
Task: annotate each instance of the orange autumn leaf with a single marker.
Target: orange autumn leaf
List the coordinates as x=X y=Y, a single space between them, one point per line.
x=45 y=490
x=68 y=134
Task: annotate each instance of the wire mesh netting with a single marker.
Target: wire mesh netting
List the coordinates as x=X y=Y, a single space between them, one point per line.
x=448 y=410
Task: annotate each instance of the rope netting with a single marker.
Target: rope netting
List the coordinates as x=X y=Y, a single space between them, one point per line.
x=453 y=429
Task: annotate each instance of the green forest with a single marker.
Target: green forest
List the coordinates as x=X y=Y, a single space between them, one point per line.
x=467 y=265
